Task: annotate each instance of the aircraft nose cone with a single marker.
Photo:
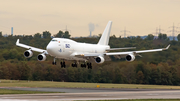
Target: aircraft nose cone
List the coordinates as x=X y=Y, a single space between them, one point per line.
x=47 y=47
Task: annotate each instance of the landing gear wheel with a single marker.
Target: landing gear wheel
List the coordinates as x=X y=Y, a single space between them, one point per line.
x=74 y=65
x=63 y=65
x=83 y=65
x=89 y=65
x=54 y=63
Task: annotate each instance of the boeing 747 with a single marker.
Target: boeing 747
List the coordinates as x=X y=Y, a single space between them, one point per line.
x=67 y=49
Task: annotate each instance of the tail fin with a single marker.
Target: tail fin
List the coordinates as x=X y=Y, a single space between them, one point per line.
x=104 y=40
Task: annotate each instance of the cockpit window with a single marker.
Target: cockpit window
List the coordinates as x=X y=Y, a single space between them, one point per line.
x=53 y=40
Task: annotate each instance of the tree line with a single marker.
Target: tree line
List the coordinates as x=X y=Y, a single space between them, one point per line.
x=162 y=68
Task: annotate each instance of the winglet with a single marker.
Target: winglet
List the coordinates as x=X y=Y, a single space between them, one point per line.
x=17 y=42
x=167 y=47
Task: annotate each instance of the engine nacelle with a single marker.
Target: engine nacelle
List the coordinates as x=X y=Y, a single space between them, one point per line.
x=28 y=53
x=41 y=57
x=130 y=57
x=99 y=59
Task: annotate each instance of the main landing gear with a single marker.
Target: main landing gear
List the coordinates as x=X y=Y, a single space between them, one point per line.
x=83 y=65
x=74 y=64
x=63 y=64
x=89 y=65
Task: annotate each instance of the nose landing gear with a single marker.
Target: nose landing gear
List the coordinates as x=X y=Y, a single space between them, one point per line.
x=54 y=62
x=62 y=63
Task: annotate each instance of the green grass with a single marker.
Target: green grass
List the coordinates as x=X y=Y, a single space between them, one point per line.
x=24 y=83
x=6 y=91
x=144 y=100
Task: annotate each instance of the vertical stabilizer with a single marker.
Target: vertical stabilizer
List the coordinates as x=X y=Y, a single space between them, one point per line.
x=104 y=40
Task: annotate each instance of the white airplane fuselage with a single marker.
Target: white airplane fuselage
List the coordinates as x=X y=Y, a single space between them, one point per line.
x=67 y=49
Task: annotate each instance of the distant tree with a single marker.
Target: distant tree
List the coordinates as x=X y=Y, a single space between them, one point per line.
x=0 y=34
x=37 y=35
x=99 y=35
x=155 y=75
x=24 y=71
x=117 y=76
x=150 y=37
x=66 y=34
x=139 y=37
x=46 y=34
x=60 y=34
x=113 y=36
x=165 y=36
x=162 y=36
x=178 y=37
x=27 y=36
x=140 y=77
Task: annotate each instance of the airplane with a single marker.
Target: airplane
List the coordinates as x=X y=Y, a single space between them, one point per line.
x=67 y=49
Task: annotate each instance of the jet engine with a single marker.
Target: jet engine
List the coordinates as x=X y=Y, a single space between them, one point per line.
x=41 y=57
x=130 y=57
x=99 y=59
x=28 y=53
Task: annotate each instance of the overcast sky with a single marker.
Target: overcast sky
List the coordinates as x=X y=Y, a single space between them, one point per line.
x=140 y=17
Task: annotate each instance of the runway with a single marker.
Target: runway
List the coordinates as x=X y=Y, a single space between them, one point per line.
x=77 y=90
x=95 y=94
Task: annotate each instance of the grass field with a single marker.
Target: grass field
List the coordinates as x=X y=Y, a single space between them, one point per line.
x=24 y=83
x=6 y=91
x=145 y=100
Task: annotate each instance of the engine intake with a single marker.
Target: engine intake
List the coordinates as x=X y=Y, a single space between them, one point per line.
x=28 y=53
x=130 y=57
x=41 y=57
x=99 y=59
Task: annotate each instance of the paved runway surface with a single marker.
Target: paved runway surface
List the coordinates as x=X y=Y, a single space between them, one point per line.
x=92 y=94
x=76 y=90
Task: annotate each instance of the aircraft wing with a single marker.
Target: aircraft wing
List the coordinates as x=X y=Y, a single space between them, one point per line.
x=117 y=53
x=120 y=48
x=90 y=56
x=87 y=54
x=136 y=52
x=30 y=47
